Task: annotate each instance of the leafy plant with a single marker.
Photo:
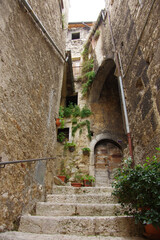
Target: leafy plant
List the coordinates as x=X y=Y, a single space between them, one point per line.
x=139 y=187
x=85 y=52
x=90 y=77
x=87 y=65
x=62 y=123
x=61 y=137
x=61 y=112
x=89 y=129
x=88 y=178
x=74 y=121
x=80 y=125
x=68 y=111
x=85 y=112
x=69 y=144
x=86 y=149
x=64 y=173
x=76 y=111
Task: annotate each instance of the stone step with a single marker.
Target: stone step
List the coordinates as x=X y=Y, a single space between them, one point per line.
x=105 y=226
x=81 y=198
x=33 y=236
x=74 y=209
x=82 y=190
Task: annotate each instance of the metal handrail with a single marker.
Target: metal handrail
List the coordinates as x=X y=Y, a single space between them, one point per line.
x=3 y=164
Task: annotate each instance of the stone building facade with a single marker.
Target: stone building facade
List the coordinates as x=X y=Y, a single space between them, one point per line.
x=127 y=33
x=135 y=29
x=30 y=86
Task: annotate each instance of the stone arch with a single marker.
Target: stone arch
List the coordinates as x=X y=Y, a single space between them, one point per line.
x=98 y=138
x=107 y=68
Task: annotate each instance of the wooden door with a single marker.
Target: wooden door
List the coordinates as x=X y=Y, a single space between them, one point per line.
x=108 y=156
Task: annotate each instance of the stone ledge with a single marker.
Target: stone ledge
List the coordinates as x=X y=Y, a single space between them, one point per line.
x=33 y=236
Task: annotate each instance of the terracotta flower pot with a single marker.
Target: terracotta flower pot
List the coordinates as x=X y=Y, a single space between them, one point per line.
x=63 y=178
x=87 y=183
x=58 y=122
x=74 y=184
x=151 y=232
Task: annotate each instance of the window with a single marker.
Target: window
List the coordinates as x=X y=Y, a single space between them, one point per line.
x=63 y=135
x=75 y=36
x=72 y=99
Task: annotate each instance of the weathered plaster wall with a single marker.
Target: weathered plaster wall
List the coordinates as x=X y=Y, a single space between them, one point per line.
x=30 y=86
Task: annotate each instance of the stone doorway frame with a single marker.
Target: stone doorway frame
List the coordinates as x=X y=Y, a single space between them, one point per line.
x=95 y=140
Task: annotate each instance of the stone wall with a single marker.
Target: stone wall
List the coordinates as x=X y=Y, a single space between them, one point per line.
x=30 y=86
x=76 y=46
x=135 y=32
x=138 y=48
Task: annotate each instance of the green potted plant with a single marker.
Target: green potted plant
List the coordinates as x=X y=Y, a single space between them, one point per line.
x=88 y=180
x=77 y=180
x=70 y=146
x=138 y=188
x=63 y=175
x=86 y=151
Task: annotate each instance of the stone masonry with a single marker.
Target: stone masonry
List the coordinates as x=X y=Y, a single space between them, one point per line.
x=30 y=86
x=77 y=214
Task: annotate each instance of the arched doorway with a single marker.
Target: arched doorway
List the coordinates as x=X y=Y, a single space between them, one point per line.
x=107 y=157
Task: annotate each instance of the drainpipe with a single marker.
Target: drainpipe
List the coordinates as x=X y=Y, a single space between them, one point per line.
x=38 y=22
x=123 y=102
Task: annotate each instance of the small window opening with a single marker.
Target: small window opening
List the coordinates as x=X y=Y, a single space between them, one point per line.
x=75 y=36
x=72 y=99
x=92 y=133
x=63 y=135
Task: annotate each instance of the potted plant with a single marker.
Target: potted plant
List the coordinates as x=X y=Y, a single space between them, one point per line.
x=70 y=146
x=88 y=180
x=64 y=176
x=86 y=151
x=139 y=189
x=77 y=180
x=60 y=122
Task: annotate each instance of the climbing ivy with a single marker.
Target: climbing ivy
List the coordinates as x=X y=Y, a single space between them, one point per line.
x=74 y=111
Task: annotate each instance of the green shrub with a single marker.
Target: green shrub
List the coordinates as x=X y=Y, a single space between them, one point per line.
x=85 y=112
x=88 y=178
x=87 y=66
x=139 y=187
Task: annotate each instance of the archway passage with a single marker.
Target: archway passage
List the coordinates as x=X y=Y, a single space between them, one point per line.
x=108 y=156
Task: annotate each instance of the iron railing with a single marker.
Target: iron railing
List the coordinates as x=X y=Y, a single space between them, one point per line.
x=3 y=164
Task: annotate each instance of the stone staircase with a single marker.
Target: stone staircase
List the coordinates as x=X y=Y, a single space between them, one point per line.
x=70 y=213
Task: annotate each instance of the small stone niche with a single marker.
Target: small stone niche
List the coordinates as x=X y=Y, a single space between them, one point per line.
x=139 y=85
